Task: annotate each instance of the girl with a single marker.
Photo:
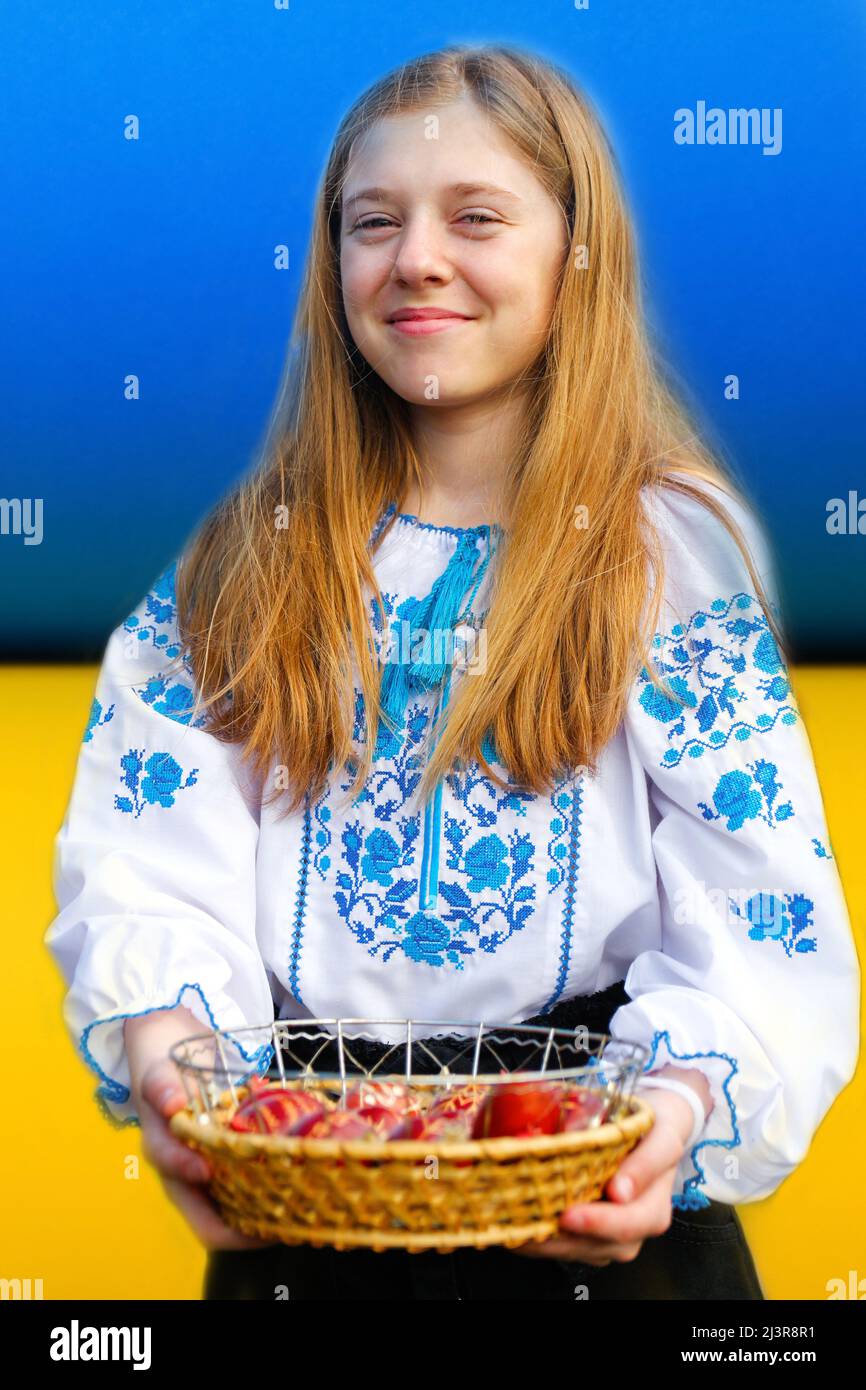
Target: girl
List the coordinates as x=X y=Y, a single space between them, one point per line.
x=597 y=804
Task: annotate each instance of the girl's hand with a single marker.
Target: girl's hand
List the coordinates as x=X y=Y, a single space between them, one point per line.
x=158 y=1092
x=597 y=1233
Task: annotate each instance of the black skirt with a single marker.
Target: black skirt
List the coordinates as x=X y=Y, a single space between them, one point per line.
x=702 y=1255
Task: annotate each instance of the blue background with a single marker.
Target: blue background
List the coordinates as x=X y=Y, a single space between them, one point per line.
x=155 y=257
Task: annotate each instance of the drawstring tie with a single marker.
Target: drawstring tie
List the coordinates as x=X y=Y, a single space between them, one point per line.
x=436 y=615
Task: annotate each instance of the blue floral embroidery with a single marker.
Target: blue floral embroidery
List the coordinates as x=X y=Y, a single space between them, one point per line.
x=97 y=719
x=322 y=814
x=165 y=692
x=163 y=778
x=484 y=889
x=556 y=846
x=383 y=858
x=820 y=849
x=381 y=619
x=489 y=883
x=174 y=699
x=481 y=798
x=489 y=866
x=563 y=801
x=427 y=937
x=389 y=787
x=736 y=799
x=159 y=622
x=487 y=898
x=714 y=677
x=779 y=918
x=300 y=906
x=383 y=923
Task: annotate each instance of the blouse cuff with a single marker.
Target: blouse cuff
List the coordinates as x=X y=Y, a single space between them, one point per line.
x=103 y=1048
x=702 y=1159
x=668 y=1083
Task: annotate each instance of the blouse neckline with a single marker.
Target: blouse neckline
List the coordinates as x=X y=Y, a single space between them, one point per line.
x=410 y=524
x=414 y=521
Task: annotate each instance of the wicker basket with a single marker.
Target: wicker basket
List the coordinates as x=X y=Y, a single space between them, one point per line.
x=417 y=1194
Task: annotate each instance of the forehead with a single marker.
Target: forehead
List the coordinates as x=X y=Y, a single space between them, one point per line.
x=445 y=145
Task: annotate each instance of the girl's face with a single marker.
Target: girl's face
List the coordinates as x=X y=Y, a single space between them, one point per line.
x=419 y=231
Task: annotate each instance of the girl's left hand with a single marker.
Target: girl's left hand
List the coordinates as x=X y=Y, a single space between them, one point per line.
x=597 y=1233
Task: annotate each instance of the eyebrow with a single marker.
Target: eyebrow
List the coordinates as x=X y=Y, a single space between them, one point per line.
x=382 y=195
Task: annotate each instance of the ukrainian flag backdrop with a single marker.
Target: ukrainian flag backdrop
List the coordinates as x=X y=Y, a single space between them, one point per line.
x=154 y=258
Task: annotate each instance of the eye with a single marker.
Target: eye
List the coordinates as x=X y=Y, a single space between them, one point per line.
x=366 y=226
x=475 y=218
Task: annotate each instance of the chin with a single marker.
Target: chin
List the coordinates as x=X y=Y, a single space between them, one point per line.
x=454 y=380
x=461 y=395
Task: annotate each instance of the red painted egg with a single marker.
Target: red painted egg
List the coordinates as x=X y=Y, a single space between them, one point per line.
x=459 y=1100
x=520 y=1110
x=392 y=1095
x=275 y=1110
x=343 y=1124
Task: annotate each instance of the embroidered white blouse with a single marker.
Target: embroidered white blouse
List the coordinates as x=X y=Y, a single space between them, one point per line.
x=695 y=865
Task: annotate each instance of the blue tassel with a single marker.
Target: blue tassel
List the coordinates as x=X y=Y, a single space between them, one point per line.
x=438 y=615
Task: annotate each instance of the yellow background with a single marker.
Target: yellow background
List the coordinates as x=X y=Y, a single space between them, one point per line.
x=74 y=1217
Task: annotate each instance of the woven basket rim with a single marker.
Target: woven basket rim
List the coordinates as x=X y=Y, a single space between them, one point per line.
x=185 y=1123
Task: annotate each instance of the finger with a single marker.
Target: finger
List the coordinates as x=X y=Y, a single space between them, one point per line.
x=162 y=1087
x=648 y=1215
x=162 y=1095
x=205 y=1221
x=166 y=1152
x=658 y=1151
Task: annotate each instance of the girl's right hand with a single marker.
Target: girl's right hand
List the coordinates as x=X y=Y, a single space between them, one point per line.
x=158 y=1093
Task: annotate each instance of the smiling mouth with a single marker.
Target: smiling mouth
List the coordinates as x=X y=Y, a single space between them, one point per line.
x=424 y=311
x=417 y=326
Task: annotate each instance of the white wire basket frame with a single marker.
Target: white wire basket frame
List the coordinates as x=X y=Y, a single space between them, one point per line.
x=432 y=1054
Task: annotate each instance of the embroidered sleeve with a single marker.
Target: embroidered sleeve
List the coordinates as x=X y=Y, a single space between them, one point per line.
x=154 y=869
x=753 y=977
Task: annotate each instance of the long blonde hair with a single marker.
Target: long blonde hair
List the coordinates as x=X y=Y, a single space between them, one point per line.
x=273 y=613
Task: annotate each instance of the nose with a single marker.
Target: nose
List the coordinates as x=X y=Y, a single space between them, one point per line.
x=421 y=254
